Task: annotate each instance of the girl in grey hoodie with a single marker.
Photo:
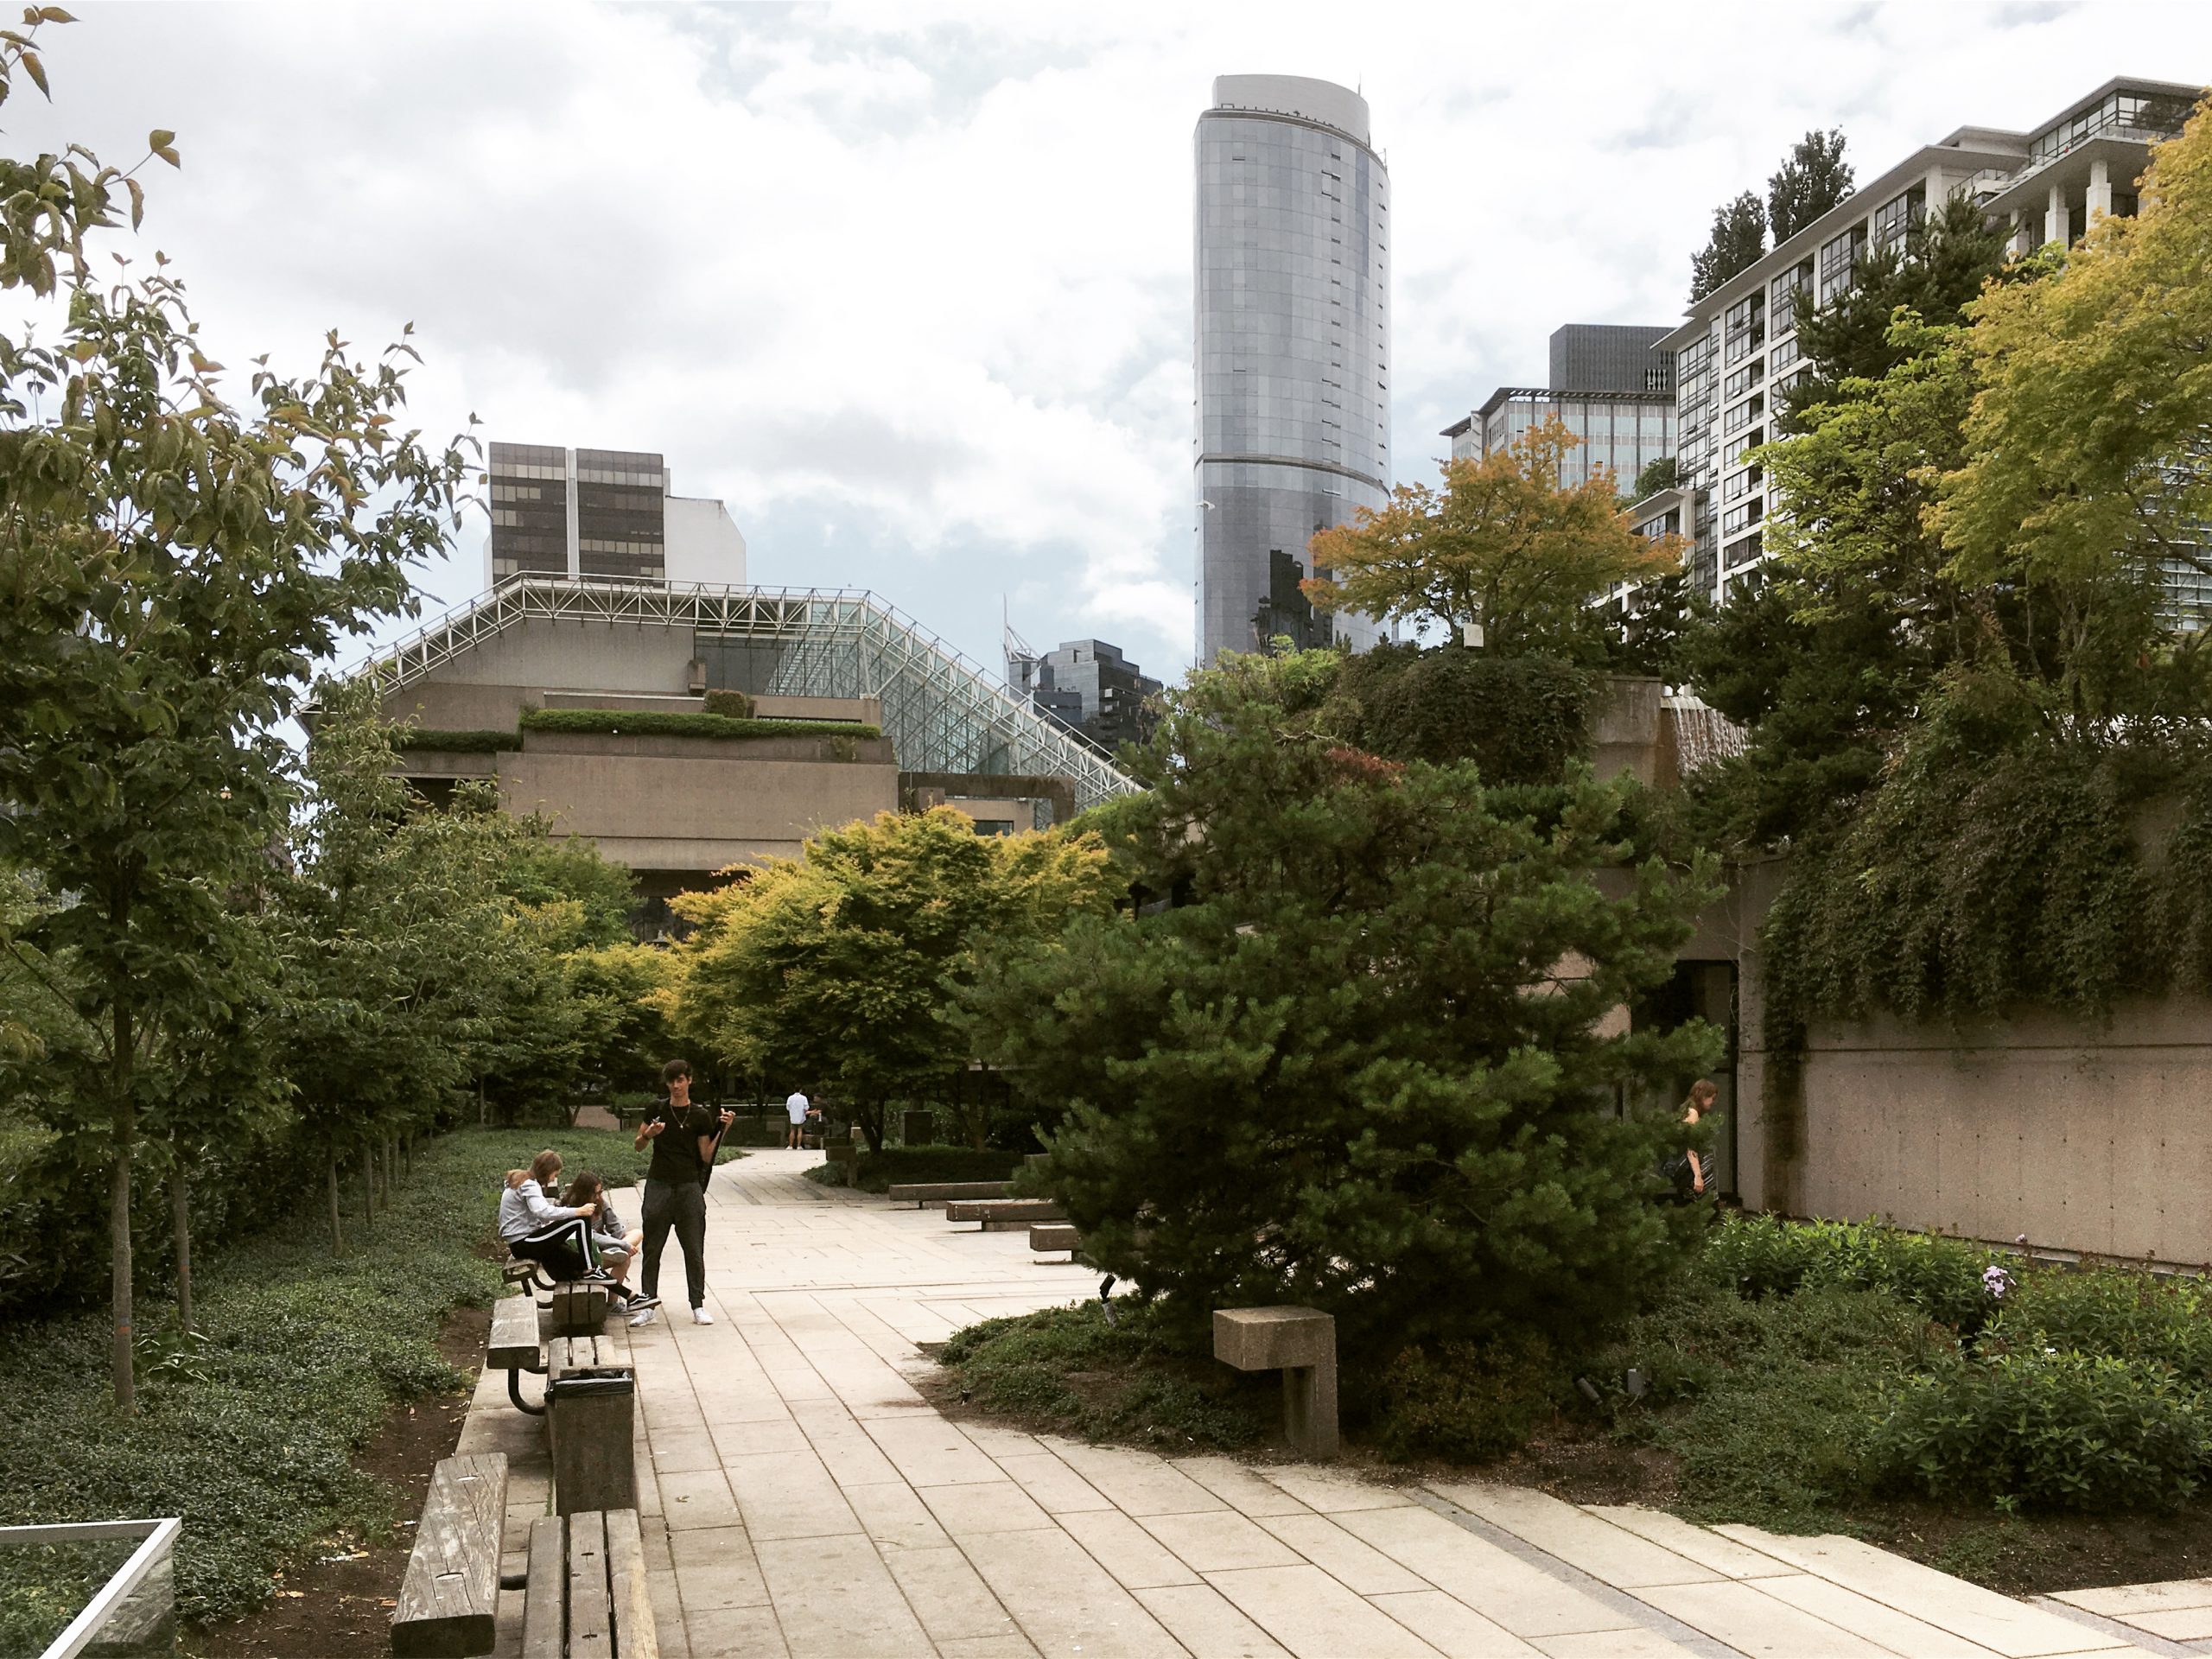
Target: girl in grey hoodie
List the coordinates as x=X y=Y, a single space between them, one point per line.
x=537 y=1230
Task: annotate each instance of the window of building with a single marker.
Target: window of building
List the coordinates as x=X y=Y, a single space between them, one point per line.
x=1838 y=256
x=1784 y=353
x=1743 y=415
x=1744 y=379
x=1894 y=218
x=1783 y=292
x=1739 y=554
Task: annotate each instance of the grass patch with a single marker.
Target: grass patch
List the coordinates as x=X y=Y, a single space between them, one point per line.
x=247 y=1429
x=1066 y=1369
x=879 y=1172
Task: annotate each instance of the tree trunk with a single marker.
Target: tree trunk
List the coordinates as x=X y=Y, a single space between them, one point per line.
x=118 y=1210
x=482 y=1117
x=181 y=1217
x=337 y=1230
x=368 y=1190
x=871 y=1122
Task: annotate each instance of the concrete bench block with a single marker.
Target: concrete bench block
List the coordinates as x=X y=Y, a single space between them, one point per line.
x=929 y=1192
x=1301 y=1343
x=987 y=1211
x=1055 y=1236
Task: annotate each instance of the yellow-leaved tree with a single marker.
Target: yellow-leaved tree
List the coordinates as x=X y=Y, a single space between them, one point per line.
x=2088 y=461
x=836 y=970
x=1504 y=544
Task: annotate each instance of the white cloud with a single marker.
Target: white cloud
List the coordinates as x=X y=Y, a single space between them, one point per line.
x=910 y=286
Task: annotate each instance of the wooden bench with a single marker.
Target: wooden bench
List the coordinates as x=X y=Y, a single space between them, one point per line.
x=591 y=1399
x=577 y=1310
x=1004 y=1215
x=586 y=1590
x=449 y=1599
x=1301 y=1343
x=925 y=1193
x=516 y=1347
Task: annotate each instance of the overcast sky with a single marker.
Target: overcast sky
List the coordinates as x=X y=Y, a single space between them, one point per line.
x=909 y=287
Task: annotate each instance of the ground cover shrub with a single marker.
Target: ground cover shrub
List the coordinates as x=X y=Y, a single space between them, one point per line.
x=1068 y=1370
x=2048 y=1430
x=1764 y=1256
x=878 y=1172
x=1767 y=1407
x=247 y=1429
x=2110 y=1311
x=1467 y=1401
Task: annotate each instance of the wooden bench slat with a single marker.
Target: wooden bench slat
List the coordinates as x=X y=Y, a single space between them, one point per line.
x=448 y=1600
x=591 y=1619
x=515 y=1344
x=636 y=1637
x=544 y=1603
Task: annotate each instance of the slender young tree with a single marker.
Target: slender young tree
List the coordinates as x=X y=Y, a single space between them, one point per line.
x=170 y=563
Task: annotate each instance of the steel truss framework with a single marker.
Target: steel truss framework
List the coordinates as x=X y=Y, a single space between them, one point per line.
x=940 y=711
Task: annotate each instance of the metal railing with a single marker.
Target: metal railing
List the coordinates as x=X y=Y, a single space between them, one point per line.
x=940 y=710
x=133 y=1615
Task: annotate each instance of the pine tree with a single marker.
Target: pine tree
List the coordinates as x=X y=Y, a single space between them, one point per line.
x=1362 y=1065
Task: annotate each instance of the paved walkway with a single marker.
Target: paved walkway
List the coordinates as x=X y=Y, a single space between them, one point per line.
x=801 y=1499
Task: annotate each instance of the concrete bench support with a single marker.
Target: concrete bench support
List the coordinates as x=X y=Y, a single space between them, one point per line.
x=1301 y=1343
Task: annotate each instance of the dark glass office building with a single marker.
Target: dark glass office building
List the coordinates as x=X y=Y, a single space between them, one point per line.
x=1089 y=686
x=1293 y=350
x=577 y=512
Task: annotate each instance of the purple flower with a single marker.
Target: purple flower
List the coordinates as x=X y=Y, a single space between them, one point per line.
x=1996 y=1281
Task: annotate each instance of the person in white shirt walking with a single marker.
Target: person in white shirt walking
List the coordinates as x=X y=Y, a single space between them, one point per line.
x=795 y=1108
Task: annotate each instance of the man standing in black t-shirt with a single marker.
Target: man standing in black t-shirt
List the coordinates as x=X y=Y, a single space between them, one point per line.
x=682 y=1137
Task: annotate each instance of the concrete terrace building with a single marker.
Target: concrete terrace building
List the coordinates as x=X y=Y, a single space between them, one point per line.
x=477 y=685
x=603 y=514
x=1293 y=350
x=1736 y=355
x=1608 y=387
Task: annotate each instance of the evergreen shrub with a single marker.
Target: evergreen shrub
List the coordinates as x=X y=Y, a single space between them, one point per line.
x=733 y=704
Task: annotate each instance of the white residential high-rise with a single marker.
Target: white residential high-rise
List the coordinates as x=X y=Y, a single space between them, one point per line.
x=1736 y=355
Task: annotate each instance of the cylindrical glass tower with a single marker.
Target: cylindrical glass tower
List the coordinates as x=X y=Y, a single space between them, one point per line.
x=1293 y=350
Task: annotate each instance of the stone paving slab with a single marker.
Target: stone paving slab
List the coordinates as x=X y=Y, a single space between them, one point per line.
x=802 y=1500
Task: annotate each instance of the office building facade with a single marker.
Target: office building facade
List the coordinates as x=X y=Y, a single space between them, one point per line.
x=1088 y=686
x=1293 y=350
x=1736 y=355
x=605 y=515
x=1610 y=357
x=1619 y=432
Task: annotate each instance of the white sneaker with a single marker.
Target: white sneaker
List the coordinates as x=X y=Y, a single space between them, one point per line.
x=700 y=1316
x=644 y=1316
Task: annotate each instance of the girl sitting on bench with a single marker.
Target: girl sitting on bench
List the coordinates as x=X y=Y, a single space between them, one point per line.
x=617 y=1246
x=537 y=1230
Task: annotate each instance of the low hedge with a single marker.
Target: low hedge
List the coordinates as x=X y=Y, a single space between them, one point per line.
x=1946 y=1278
x=406 y=738
x=878 y=1172
x=247 y=1429
x=638 y=722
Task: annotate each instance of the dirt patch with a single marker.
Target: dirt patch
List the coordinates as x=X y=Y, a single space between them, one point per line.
x=339 y=1606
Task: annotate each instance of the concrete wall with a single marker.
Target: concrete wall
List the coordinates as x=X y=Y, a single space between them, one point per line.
x=689 y=804
x=1624 y=736
x=561 y=654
